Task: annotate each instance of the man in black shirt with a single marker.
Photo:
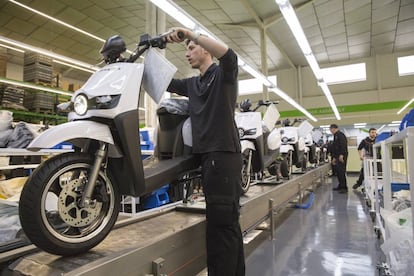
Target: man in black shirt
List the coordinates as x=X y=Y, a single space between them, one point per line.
x=212 y=97
x=365 y=150
x=339 y=157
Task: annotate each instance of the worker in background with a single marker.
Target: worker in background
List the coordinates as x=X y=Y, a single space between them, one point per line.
x=329 y=152
x=365 y=150
x=339 y=157
x=212 y=100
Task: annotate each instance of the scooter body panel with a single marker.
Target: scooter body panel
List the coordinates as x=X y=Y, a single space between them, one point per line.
x=249 y=125
x=70 y=131
x=112 y=80
x=274 y=140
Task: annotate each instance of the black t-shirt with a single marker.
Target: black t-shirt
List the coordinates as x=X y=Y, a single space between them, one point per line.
x=340 y=145
x=212 y=100
x=366 y=144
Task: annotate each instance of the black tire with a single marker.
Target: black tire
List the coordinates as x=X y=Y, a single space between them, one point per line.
x=304 y=164
x=49 y=215
x=246 y=177
x=285 y=165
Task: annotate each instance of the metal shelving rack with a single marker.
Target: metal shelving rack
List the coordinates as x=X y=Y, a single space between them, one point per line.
x=371 y=182
x=406 y=139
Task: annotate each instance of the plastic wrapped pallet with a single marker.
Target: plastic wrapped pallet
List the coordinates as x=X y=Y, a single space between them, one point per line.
x=40 y=102
x=37 y=68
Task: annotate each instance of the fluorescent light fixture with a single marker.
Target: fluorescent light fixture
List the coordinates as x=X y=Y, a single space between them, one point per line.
x=60 y=22
x=12 y=48
x=48 y=53
x=73 y=66
x=406 y=65
x=253 y=86
x=315 y=67
x=34 y=86
x=396 y=122
x=344 y=74
x=186 y=20
x=294 y=25
x=380 y=128
x=405 y=106
x=57 y=20
x=292 y=20
x=286 y=97
x=360 y=124
x=240 y=61
x=175 y=12
x=257 y=75
x=393 y=125
x=331 y=101
x=325 y=126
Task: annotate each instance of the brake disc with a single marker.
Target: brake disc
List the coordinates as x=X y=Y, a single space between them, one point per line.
x=69 y=209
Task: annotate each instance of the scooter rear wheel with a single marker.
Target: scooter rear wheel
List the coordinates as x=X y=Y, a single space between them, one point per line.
x=49 y=209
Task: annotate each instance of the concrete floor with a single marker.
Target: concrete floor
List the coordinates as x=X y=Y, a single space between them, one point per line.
x=334 y=237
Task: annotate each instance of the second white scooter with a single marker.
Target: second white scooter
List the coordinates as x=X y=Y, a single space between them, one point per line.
x=260 y=141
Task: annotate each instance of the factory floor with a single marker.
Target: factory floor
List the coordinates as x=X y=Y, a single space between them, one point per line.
x=334 y=237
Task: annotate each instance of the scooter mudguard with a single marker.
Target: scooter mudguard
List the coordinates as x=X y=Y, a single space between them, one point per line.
x=245 y=144
x=70 y=131
x=286 y=148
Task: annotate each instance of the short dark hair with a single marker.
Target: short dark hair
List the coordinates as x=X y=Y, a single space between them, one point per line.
x=333 y=126
x=371 y=129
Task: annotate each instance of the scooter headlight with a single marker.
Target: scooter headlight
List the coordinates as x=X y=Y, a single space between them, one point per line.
x=80 y=104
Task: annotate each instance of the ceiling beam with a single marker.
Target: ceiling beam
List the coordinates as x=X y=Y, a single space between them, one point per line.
x=263 y=28
x=253 y=13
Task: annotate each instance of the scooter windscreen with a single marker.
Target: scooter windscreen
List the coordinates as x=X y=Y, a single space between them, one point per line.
x=158 y=73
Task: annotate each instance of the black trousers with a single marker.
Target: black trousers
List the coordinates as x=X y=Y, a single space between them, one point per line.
x=221 y=176
x=341 y=173
x=361 y=176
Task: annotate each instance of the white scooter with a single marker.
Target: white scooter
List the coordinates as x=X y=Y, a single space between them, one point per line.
x=71 y=201
x=260 y=141
x=318 y=152
x=293 y=147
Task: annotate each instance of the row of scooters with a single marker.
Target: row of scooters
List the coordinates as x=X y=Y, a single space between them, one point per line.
x=275 y=148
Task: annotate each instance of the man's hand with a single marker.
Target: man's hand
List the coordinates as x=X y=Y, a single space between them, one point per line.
x=333 y=162
x=178 y=35
x=214 y=47
x=341 y=158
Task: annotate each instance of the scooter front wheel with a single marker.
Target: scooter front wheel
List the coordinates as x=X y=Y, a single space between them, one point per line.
x=286 y=165
x=247 y=172
x=49 y=208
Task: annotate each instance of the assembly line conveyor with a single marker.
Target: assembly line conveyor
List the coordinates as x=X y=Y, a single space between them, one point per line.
x=164 y=241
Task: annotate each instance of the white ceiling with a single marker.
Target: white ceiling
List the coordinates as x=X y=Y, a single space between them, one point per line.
x=338 y=30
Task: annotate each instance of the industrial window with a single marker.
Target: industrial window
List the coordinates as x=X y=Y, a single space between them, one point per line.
x=406 y=65
x=253 y=86
x=344 y=74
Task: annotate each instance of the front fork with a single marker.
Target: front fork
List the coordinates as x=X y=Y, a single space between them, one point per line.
x=249 y=163
x=93 y=176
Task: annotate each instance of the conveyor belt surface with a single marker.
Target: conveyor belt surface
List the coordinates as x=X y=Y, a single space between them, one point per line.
x=172 y=243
